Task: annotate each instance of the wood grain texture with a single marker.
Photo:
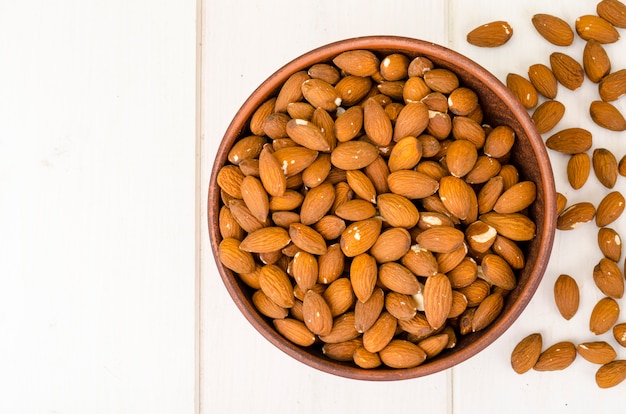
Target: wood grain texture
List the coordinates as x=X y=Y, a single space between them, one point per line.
x=97 y=169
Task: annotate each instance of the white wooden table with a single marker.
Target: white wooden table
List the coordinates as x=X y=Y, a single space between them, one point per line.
x=243 y=43
x=109 y=297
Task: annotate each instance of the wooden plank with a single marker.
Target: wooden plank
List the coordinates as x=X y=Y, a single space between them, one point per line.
x=240 y=370
x=97 y=169
x=486 y=383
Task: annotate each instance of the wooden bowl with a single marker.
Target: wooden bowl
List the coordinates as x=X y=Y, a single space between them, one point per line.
x=528 y=155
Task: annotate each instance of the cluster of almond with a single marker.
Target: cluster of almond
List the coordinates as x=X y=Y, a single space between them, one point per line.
x=564 y=70
x=373 y=213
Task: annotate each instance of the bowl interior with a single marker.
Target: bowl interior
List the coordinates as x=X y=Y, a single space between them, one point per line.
x=528 y=155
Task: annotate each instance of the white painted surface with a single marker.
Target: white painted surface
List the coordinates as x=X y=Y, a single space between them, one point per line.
x=97 y=205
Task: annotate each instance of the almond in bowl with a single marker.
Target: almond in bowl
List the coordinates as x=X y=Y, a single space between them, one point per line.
x=381 y=208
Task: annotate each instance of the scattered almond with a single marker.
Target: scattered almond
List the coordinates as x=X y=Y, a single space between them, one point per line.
x=557 y=357
x=491 y=34
x=566 y=296
x=526 y=353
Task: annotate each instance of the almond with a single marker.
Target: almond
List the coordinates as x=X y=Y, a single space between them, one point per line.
x=401 y=306
x=290 y=200
x=377 y=172
x=461 y=157
x=356 y=210
x=360 y=236
x=291 y=91
x=265 y=240
x=441 y=239
x=348 y=125
x=342 y=351
x=608 y=278
x=275 y=126
x=276 y=285
x=561 y=202
x=307 y=239
x=489 y=194
x=523 y=90
x=566 y=70
x=391 y=245
x=234 y=258
x=343 y=329
x=578 y=168
x=605 y=166
x=566 y=296
x=381 y=333
x=610 y=243
x=257 y=120
x=610 y=208
x=466 y=128
x=462 y=101
x=295 y=159
x=244 y=217
x=412 y=120
x=543 y=80
x=229 y=179
x=246 y=148
x=417 y=326
x=376 y=123
x=271 y=173
x=397 y=210
x=366 y=313
x=448 y=261
x=358 y=62
x=307 y=134
x=267 y=307
x=411 y=184
x=484 y=169
x=304 y=269
x=514 y=226
x=488 y=310
x=295 y=331
x=555 y=30
x=437 y=299
x=420 y=261
x=321 y=94
x=480 y=236
x=498 y=272
x=613 y=85
x=595 y=27
x=433 y=345
x=415 y=90
x=331 y=264
x=619 y=333
x=353 y=155
x=526 y=353
x=439 y=124
x=557 y=357
x=516 y=198
x=509 y=251
x=614 y=11
x=405 y=154
x=475 y=292
x=603 y=316
x=575 y=215
x=458 y=198
x=598 y=352
x=229 y=228
x=570 y=141
x=402 y=354
x=325 y=72
x=611 y=374
x=441 y=80
x=361 y=185
x=607 y=116
x=352 y=89
x=596 y=62
x=339 y=296
x=548 y=115
x=366 y=359
x=398 y=278
x=492 y=34
x=255 y=197
x=499 y=141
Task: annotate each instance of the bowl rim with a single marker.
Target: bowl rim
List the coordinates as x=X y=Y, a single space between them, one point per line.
x=415 y=46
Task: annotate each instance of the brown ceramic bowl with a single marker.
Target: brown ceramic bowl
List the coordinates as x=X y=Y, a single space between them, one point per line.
x=528 y=155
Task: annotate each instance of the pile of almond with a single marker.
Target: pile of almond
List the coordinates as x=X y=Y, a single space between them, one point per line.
x=576 y=143
x=373 y=212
